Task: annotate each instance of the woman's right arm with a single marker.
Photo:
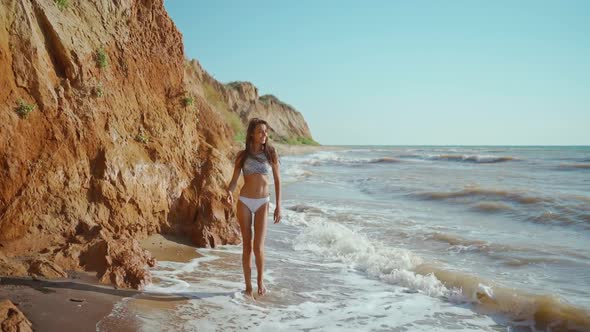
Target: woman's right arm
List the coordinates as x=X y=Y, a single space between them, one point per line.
x=234 y=181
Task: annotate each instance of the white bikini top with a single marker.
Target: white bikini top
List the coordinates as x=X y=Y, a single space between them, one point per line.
x=257 y=165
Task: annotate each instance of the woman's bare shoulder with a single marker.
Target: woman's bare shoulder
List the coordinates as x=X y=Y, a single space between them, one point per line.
x=274 y=155
x=239 y=156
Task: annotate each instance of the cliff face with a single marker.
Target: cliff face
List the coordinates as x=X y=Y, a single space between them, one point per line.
x=108 y=135
x=239 y=102
x=98 y=146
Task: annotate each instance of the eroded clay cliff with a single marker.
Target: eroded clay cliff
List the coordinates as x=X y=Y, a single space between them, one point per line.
x=240 y=101
x=108 y=135
x=110 y=153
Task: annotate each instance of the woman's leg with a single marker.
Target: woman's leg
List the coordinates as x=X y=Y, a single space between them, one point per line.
x=245 y=219
x=259 y=236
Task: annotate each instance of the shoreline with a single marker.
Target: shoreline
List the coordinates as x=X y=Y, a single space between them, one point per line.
x=166 y=247
x=77 y=303
x=81 y=303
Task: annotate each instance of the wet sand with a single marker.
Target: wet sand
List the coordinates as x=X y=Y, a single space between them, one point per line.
x=74 y=304
x=80 y=303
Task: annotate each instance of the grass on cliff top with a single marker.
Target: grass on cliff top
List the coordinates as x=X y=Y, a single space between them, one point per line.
x=234 y=84
x=214 y=99
x=299 y=140
x=268 y=99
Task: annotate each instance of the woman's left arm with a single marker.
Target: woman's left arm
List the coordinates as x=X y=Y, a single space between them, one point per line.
x=277 y=179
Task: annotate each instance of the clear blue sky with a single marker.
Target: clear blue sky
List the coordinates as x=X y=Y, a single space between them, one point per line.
x=392 y=72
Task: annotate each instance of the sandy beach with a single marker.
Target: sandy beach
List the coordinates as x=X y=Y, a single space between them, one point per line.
x=74 y=304
x=80 y=303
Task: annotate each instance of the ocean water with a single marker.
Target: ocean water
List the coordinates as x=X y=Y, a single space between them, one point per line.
x=406 y=239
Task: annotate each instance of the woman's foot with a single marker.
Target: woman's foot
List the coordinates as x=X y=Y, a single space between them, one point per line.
x=248 y=293
x=261 y=289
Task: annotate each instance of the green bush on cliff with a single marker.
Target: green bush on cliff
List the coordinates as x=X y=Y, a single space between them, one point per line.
x=215 y=99
x=98 y=90
x=62 y=4
x=101 y=58
x=236 y=124
x=142 y=138
x=187 y=101
x=23 y=109
x=240 y=137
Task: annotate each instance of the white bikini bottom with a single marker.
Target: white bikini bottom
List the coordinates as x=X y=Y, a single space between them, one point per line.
x=254 y=204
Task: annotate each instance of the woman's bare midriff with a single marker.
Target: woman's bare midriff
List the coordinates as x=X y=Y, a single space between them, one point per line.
x=255 y=186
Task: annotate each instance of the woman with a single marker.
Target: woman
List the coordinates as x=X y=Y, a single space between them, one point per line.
x=256 y=162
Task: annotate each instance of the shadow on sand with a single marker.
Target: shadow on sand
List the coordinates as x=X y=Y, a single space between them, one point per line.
x=45 y=286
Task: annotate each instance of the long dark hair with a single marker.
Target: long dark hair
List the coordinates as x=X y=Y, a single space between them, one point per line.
x=269 y=150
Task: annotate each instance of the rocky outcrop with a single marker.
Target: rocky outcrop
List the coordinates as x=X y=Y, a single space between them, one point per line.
x=97 y=145
x=288 y=124
x=239 y=102
x=12 y=319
